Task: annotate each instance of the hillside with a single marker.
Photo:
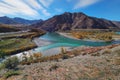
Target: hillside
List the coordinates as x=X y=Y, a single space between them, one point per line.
x=6 y=28
x=70 y=21
x=101 y=65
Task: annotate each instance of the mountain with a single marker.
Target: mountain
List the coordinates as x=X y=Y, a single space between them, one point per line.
x=25 y=21
x=16 y=21
x=6 y=28
x=70 y=21
x=116 y=23
x=7 y=20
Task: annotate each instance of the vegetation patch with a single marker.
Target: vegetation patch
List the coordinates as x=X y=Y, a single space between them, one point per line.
x=15 y=43
x=93 y=35
x=11 y=73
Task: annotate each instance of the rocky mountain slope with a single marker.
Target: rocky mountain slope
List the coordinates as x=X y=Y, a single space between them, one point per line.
x=70 y=21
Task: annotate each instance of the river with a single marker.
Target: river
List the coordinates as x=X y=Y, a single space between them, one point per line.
x=62 y=41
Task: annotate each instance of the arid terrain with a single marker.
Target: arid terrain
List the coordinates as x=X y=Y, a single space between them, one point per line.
x=101 y=65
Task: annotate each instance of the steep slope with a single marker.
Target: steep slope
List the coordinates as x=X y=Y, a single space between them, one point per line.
x=117 y=23
x=69 y=21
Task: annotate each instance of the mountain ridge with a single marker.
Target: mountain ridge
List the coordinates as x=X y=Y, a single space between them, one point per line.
x=70 y=21
x=17 y=20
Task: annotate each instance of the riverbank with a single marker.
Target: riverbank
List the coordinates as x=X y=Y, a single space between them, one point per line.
x=67 y=52
x=68 y=35
x=22 y=41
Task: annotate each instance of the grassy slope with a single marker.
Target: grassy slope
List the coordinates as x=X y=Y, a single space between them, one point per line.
x=12 y=46
x=15 y=43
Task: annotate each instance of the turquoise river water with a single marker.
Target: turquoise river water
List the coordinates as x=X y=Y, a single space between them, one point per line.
x=61 y=41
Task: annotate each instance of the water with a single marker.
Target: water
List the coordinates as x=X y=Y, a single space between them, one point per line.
x=118 y=33
x=61 y=41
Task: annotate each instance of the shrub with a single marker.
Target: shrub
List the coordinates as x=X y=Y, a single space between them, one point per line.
x=54 y=67
x=11 y=63
x=107 y=51
x=65 y=56
x=118 y=52
x=2 y=54
x=11 y=73
x=37 y=55
x=1 y=66
x=63 y=50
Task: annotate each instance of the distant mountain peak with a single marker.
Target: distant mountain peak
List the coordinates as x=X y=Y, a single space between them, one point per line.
x=17 y=20
x=4 y=17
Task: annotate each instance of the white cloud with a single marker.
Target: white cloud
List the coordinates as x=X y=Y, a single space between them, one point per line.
x=20 y=7
x=28 y=8
x=45 y=12
x=46 y=3
x=6 y=9
x=58 y=10
x=85 y=3
x=34 y=4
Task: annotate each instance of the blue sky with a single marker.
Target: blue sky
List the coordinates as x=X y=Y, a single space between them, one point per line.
x=44 y=9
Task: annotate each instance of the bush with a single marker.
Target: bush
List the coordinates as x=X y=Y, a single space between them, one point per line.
x=63 y=50
x=107 y=51
x=65 y=56
x=37 y=55
x=54 y=67
x=11 y=63
x=11 y=73
x=118 y=53
x=2 y=54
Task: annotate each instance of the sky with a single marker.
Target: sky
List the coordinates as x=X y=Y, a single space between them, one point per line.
x=44 y=9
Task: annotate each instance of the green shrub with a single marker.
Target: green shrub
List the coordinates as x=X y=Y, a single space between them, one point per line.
x=2 y=54
x=11 y=63
x=11 y=73
x=2 y=66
